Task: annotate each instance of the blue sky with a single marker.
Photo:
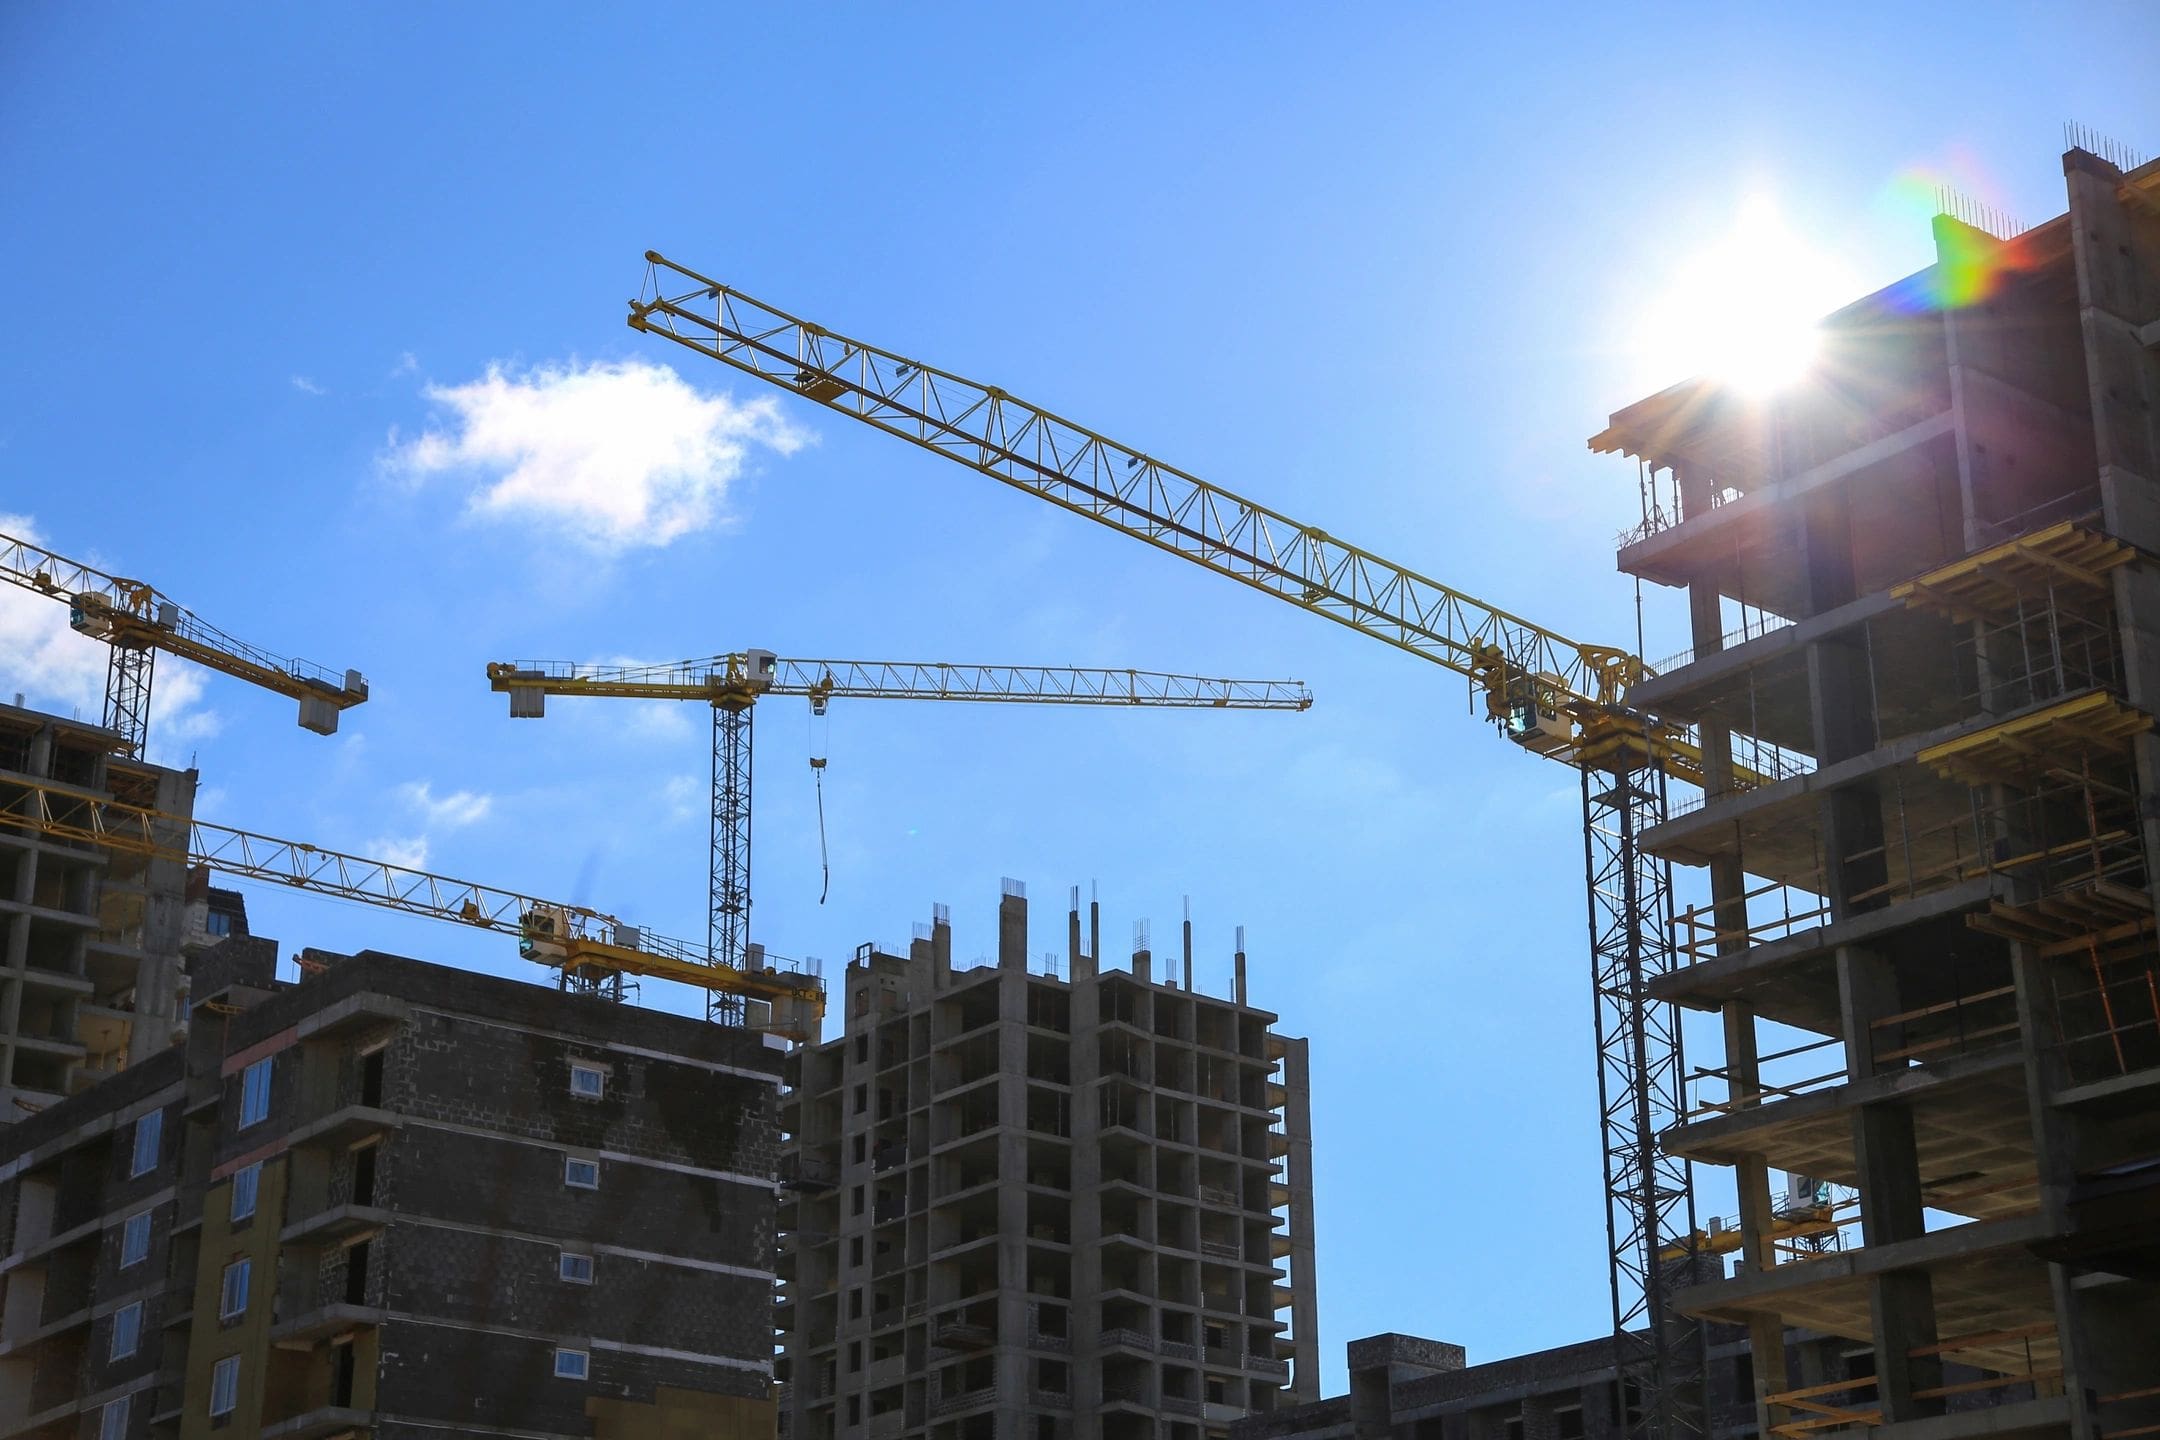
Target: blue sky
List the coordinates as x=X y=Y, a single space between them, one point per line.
x=1383 y=267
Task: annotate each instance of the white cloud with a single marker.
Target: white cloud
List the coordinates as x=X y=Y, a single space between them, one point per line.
x=410 y=851
x=614 y=455
x=307 y=387
x=407 y=364
x=55 y=669
x=685 y=796
x=459 y=807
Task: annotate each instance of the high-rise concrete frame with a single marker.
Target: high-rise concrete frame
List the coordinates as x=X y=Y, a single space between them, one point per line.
x=1019 y=1207
x=1924 y=595
x=90 y=939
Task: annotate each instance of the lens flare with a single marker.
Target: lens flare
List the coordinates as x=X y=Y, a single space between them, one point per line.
x=1971 y=263
x=1743 y=308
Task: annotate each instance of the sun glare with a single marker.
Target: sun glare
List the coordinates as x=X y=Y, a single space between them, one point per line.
x=1743 y=308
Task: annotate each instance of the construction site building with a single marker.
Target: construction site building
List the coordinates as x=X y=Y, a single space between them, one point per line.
x=1923 y=587
x=1021 y=1207
x=396 y=1200
x=91 y=975
x=1406 y=1388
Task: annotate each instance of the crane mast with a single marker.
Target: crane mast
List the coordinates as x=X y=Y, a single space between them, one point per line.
x=137 y=622
x=732 y=684
x=580 y=943
x=1550 y=694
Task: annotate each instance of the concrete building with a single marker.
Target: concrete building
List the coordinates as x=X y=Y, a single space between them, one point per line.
x=1405 y=1388
x=396 y=1200
x=1924 y=597
x=1031 y=1208
x=90 y=939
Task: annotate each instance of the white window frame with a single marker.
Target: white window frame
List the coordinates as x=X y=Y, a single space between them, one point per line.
x=568 y=1262
x=252 y=1174
x=113 y=1418
x=135 y=1239
x=225 y=1386
x=578 y=1071
x=255 y=1093
x=246 y=1270
x=150 y=1127
x=132 y=1313
x=569 y=1163
x=578 y=1362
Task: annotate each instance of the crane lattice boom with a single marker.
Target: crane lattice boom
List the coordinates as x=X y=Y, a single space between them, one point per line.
x=1070 y=465
x=131 y=615
x=564 y=936
x=712 y=678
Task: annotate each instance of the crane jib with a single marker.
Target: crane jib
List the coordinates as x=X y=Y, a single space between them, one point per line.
x=1294 y=584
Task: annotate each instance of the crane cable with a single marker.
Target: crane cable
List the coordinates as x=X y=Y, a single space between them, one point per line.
x=817 y=773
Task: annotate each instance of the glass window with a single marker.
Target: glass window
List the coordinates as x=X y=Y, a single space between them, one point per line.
x=587 y=1081
x=571 y=1364
x=112 y=1420
x=149 y=1130
x=135 y=1240
x=245 y=1183
x=233 y=1294
x=255 y=1093
x=577 y=1269
x=225 y=1386
x=581 y=1174
x=126 y=1330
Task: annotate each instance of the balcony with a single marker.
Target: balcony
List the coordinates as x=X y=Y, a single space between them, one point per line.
x=965 y=1400
x=339 y=1222
x=344 y=1125
x=308 y=1329
x=1122 y=1338
x=329 y=1420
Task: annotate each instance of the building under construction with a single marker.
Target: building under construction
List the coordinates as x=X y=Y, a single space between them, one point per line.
x=1022 y=1206
x=91 y=938
x=395 y=1199
x=1924 y=594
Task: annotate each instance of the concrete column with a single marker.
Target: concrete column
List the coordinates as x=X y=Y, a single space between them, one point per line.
x=1012 y=1363
x=1012 y=926
x=157 y=974
x=940 y=948
x=1237 y=971
x=1298 y=1173
x=1085 y=1322
x=1903 y=1301
x=1188 y=945
x=2059 y=1145
x=1094 y=929
x=1891 y=1206
x=1080 y=961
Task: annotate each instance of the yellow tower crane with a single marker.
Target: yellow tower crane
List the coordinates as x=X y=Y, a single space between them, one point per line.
x=1552 y=695
x=589 y=950
x=137 y=621
x=733 y=683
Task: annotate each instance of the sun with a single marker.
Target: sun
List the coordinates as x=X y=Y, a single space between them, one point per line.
x=1743 y=308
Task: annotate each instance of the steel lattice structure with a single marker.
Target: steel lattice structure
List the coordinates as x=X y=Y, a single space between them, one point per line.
x=128 y=671
x=1556 y=696
x=1642 y=1069
x=136 y=620
x=728 y=899
x=733 y=682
